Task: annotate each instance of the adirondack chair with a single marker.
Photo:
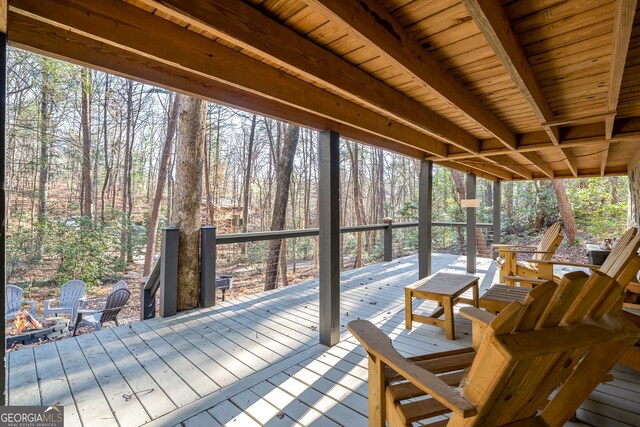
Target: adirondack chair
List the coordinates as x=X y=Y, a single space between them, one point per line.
x=622 y=264
x=511 y=269
x=69 y=299
x=610 y=265
x=100 y=301
x=115 y=302
x=572 y=334
x=13 y=302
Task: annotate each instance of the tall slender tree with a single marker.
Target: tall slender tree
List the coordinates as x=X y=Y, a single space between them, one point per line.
x=46 y=140
x=566 y=213
x=187 y=197
x=172 y=124
x=283 y=179
x=87 y=187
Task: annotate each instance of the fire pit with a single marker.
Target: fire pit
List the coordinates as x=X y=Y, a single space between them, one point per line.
x=28 y=330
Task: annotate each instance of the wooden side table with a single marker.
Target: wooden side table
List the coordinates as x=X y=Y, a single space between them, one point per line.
x=445 y=289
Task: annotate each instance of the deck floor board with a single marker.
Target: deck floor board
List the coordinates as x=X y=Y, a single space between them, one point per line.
x=255 y=360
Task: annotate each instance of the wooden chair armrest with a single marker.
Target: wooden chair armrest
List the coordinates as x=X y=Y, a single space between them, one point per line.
x=513 y=246
x=379 y=346
x=477 y=315
x=558 y=262
x=480 y=320
x=526 y=252
x=633 y=287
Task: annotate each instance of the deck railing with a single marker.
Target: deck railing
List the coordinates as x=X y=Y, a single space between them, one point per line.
x=164 y=274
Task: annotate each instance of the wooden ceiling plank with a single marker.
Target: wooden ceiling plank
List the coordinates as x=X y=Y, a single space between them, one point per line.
x=159 y=40
x=252 y=30
x=367 y=20
x=622 y=27
x=494 y=24
x=66 y=45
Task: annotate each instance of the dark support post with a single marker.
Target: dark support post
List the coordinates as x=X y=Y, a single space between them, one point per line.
x=388 y=239
x=169 y=272
x=207 y=266
x=329 y=221
x=471 y=225
x=3 y=150
x=425 y=207
x=497 y=215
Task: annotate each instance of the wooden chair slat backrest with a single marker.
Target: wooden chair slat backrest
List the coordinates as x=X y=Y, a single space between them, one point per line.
x=624 y=263
x=12 y=298
x=71 y=292
x=550 y=340
x=621 y=244
x=550 y=242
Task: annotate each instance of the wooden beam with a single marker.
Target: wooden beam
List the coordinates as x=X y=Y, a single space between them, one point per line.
x=622 y=26
x=495 y=26
x=367 y=20
x=630 y=136
x=559 y=121
x=247 y=27
x=604 y=156
x=162 y=42
x=70 y=46
x=3 y=16
x=570 y=161
x=538 y=163
x=512 y=165
x=479 y=170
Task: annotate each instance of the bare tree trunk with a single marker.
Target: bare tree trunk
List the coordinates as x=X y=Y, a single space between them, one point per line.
x=87 y=205
x=186 y=205
x=207 y=173
x=126 y=219
x=162 y=178
x=357 y=199
x=247 y=181
x=45 y=144
x=566 y=213
x=381 y=195
x=283 y=179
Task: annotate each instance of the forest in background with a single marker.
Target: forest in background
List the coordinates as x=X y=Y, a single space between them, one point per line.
x=85 y=155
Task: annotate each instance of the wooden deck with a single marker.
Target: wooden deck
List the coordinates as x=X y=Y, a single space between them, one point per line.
x=255 y=361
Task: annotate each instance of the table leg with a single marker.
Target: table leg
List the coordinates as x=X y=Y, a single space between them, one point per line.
x=476 y=298
x=407 y=309
x=449 y=329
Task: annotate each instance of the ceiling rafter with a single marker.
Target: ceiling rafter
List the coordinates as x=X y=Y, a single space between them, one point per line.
x=495 y=26
x=622 y=27
x=247 y=27
x=69 y=46
x=43 y=33
x=165 y=42
x=367 y=20
x=539 y=164
x=628 y=136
